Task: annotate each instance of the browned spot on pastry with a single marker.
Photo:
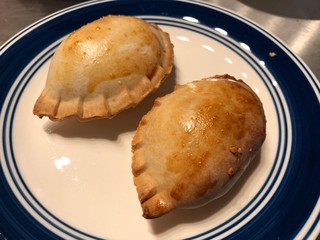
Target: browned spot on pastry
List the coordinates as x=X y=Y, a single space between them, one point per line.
x=136 y=145
x=157 y=103
x=231 y=171
x=143 y=121
x=178 y=191
x=237 y=151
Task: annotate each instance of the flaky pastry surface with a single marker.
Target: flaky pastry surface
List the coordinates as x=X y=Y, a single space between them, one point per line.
x=104 y=67
x=194 y=143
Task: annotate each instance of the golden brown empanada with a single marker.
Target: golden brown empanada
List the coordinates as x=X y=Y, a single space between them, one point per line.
x=104 y=67
x=194 y=143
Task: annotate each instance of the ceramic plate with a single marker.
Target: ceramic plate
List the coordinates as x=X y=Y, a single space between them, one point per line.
x=72 y=180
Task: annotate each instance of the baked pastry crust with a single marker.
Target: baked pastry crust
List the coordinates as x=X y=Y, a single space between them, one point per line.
x=104 y=67
x=194 y=143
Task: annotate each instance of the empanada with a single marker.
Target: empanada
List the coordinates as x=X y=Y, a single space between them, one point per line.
x=104 y=67
x=195 y=142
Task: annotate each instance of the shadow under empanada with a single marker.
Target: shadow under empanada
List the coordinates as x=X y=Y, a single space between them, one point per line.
x=110 y=129
x=185 y=216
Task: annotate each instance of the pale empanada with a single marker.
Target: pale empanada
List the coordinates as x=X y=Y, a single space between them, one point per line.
x=194 y=143
x=104 y=67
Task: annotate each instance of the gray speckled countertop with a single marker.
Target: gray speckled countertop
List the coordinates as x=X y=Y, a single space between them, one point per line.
x=295 y=22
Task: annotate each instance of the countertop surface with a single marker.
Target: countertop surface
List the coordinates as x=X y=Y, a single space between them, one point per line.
x=294 y=22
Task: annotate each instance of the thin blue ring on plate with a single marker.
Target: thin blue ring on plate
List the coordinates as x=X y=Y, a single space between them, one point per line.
x=300 y=88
